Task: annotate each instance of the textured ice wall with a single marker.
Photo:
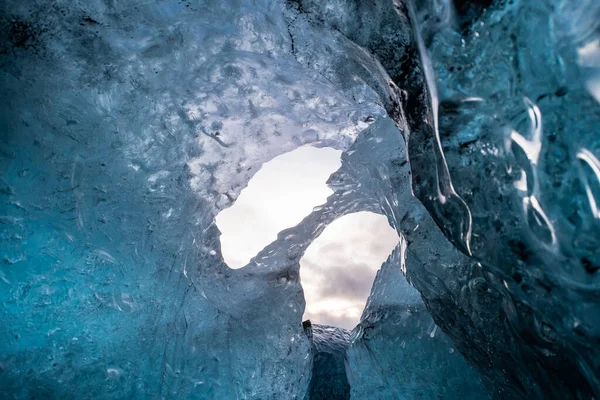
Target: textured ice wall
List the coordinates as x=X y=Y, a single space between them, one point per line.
x=125 y=128
x=512 y=128
x=374 y=177
x=397 y=351
x=329 y=345
x=499 y=112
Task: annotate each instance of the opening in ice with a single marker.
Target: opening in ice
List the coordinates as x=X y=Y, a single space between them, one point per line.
x=279 y=196
x=338 y=268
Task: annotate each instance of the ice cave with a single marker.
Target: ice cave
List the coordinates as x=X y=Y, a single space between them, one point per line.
x=300 y=199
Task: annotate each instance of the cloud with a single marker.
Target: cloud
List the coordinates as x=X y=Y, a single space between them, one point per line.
x=332 y=249
x=339 y=268
x=279 y=196
x=328 y=318
x=353 y=282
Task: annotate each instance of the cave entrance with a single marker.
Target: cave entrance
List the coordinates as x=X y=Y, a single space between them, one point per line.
x=339 y=267
x=279 y=196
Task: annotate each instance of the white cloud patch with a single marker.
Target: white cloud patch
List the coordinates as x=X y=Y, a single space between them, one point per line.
x=279 y=196
x=338 y=268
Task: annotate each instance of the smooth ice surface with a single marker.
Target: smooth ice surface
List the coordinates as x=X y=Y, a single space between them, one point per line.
x=279 y=196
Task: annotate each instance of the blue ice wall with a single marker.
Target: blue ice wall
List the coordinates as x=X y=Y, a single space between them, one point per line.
x=126 y=127
x=329 y=346
x=506 y=162
x=499 y=105
x=398 y=352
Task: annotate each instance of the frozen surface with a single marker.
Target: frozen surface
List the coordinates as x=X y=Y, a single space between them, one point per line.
x=329 y=346
x=512 y=129
x=126 y=127
x=397 y=351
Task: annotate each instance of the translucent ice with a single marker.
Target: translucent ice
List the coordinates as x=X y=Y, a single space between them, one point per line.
x=510 y=123
x=126 y=127
x=397 y=351
x=329 y=346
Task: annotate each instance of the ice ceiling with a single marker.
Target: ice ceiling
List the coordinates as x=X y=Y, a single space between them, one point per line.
x=126 y=127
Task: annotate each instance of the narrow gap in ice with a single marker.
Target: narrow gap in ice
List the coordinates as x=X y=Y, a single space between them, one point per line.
x=338 y=268
x=279 y=196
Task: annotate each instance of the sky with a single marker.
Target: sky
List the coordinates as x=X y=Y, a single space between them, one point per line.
x=338 y=268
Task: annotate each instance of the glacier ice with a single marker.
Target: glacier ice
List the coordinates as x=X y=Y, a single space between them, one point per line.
x=329 y=346
x=126 y=127
x=398 y=352
x=511 y=118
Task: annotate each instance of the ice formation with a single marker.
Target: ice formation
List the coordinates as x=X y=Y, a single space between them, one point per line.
x=329 y=346
x=126 y=127
x=398 y=352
